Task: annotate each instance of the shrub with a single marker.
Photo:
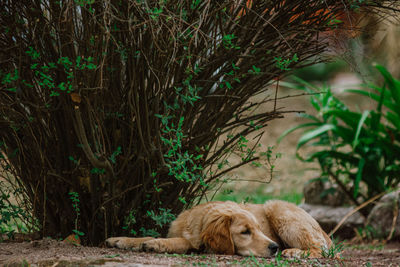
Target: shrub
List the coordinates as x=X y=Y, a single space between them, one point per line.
x=354 y=147
x=14 y=210
x=136 y=105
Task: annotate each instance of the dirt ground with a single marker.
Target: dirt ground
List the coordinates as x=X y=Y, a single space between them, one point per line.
x=48 y=252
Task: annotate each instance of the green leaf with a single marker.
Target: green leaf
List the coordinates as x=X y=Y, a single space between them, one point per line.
x=256 y=70
x=228 y=85
x=79 y=233
x=359 y=175
x=359 y=127
x=393 y=84
x=308 y=116
x=304 y=125
x=314 y=133
x=195 y=4
x=347 y=134
x=394 y=119
x=54 y=93
x=332 y=154
x=348 y=117
x=315 y=103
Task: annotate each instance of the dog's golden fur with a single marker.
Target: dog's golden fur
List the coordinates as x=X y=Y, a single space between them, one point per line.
x=243 y=229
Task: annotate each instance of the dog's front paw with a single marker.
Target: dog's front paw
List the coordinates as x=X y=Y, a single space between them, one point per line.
x=113 y=242
x=155 y=245
x=110 y=242
x=117 y=242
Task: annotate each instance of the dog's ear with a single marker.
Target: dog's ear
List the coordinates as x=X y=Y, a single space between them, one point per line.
x=217 y=236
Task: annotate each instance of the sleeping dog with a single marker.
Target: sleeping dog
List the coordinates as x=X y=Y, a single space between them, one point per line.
x=242 y=229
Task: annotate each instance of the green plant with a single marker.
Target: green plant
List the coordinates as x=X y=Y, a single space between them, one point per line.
x=14 y=218
x=355 y=148
x=149 y=232
x=161 y=218
x=8 y=213
x=129 y=223
x=164 y=216
x=284 y=64
x=334 y=251
x=368 y=233
x=74 y=197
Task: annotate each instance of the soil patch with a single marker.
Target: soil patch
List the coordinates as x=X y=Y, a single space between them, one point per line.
x=48 y=252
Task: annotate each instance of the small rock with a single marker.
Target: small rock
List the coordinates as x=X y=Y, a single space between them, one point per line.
x=72 y=239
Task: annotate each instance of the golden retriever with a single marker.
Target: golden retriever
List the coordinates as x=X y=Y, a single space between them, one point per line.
x=242 y=229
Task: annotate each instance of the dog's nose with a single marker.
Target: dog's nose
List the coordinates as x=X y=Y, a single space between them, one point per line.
x=273 y=248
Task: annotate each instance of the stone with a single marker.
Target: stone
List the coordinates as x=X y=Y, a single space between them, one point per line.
x=380 y=219
x=322 y=192
x=328 y=217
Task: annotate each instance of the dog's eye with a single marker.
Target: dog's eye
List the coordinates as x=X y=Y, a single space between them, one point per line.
x=246 y=232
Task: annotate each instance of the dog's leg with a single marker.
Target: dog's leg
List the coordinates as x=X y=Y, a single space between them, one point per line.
x=127 y=242
x=297 y=229
x=170 y=245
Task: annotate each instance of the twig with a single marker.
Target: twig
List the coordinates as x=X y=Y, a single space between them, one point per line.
x=354 y=211
x=276 y=93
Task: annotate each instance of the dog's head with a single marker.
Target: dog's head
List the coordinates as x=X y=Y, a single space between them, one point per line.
x=237 y=232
